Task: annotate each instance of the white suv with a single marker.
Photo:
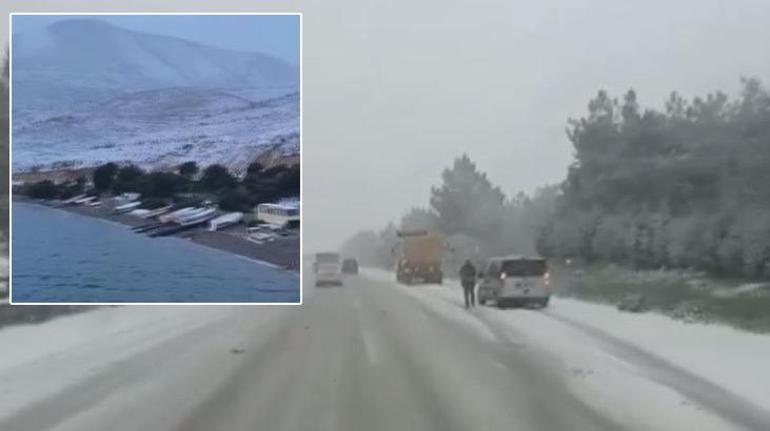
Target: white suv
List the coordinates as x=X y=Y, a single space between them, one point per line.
x=515 y=280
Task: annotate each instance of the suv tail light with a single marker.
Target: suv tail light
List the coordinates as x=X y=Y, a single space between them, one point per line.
x=547 y=279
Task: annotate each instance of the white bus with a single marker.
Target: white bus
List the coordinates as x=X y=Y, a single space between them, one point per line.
x=282 y=214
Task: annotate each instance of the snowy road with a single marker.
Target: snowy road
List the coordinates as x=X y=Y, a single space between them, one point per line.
x=370 y=355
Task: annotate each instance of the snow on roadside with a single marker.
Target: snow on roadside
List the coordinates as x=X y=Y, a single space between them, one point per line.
x=605 y=382
x=69 y=348
x=741 y=290
x=733 y=359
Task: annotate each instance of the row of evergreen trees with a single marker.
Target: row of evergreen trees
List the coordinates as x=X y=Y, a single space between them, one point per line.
x=160 y=187
x=688 y=187
x=685 y=187
x=475 y=216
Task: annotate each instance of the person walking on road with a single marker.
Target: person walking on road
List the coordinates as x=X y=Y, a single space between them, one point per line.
x=468 y=281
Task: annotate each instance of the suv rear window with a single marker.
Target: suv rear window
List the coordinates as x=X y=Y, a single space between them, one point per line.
x=525 y=268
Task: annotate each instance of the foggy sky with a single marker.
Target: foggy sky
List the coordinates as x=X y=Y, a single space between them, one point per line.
x=393 y=91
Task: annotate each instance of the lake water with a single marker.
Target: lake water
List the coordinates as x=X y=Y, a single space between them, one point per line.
x=58 y=256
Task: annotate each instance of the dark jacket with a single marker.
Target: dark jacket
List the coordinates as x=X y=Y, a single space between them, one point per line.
x=468 y=273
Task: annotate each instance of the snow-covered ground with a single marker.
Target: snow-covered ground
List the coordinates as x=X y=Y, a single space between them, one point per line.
x=579 y=334
x=591 y=347
x=70 y=349
x=731 y=358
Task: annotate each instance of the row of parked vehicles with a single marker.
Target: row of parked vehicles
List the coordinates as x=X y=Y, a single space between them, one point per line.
x=505 y=281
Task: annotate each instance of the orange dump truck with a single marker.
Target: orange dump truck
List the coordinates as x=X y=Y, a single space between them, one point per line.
x=419 y=257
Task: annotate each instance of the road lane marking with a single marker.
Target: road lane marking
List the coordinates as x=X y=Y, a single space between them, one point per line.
x=371 y=350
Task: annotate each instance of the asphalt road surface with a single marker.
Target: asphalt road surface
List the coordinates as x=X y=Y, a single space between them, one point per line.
x=365 y=356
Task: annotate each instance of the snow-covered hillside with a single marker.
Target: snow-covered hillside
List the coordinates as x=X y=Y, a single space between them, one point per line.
x=159 y=127
x=86 y=92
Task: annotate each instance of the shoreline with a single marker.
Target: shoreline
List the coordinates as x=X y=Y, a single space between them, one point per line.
x=282 y=254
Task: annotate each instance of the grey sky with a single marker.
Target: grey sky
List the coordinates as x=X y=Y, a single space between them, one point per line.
x=393 y=91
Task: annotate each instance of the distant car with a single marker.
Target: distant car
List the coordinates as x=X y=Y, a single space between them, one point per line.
x=350 y=266
x=328 y=269
x=515 y=281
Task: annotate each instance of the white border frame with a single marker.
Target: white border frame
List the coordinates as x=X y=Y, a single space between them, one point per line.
x=10 y=156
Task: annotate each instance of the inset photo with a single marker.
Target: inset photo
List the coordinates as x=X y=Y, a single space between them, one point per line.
x=155 y=158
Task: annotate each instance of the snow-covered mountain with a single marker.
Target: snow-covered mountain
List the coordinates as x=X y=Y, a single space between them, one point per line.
x=90 y=54
x=85 y=92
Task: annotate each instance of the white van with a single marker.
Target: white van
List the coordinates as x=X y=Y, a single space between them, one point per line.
x=328 y=269
x=515 y=281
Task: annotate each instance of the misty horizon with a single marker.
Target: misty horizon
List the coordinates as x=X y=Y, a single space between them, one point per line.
x=393 y=94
